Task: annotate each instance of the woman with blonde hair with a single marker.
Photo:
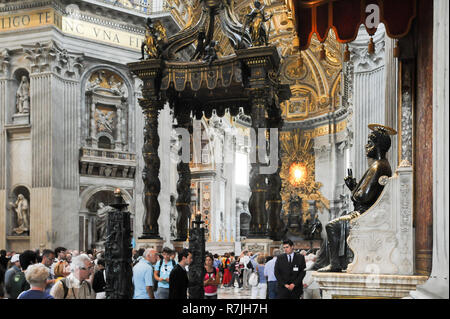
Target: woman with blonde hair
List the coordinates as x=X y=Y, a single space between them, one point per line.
x=37 y=276
x=259 y=291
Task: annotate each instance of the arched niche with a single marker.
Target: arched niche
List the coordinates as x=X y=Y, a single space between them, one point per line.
x=92 y=190
x=106 y=111
x=13 y=112
x=12 y=221
x=90 y=214
x=105 y=141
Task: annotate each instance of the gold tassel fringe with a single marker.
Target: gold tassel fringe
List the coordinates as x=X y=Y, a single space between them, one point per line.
x=322 y=52
x=371 y=47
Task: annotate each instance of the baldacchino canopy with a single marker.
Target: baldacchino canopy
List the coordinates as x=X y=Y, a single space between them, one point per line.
x=346 y=16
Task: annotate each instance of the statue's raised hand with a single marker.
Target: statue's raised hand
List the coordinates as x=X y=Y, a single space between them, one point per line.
x=349 y=180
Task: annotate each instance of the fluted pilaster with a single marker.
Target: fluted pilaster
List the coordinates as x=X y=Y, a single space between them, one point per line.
x=369 y=92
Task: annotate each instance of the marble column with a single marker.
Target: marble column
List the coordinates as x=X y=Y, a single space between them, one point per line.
x=4 y=102
x=230 y=186
x=138 y=182
x=165 y=131
x=369 y=92
x=118 y=143
x=391 y=95
x=437 y=285
x=423 y=139
x=93 y=127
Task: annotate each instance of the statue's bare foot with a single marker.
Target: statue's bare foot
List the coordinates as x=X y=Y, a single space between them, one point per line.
x=329 y=268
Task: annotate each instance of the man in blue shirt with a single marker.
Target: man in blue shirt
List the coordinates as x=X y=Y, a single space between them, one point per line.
x=216 y=262
x=143 y=276
x=269 y=272
x=162 y=274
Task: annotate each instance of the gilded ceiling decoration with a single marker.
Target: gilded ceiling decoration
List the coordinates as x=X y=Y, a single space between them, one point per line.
x=315 y=83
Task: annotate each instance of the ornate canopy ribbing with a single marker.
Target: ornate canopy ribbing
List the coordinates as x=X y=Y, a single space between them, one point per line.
x=345 y=17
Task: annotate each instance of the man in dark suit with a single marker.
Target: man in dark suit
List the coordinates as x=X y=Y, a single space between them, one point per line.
x=289 y=271
x=178 y=279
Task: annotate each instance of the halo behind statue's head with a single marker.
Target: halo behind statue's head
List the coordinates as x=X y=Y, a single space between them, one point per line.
x=379 y=127
x=380 y=135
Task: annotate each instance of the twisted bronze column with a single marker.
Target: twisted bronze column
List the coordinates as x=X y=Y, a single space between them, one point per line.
x=184 y=178
x=257 y=201
x=150 y=173
x=274 y=201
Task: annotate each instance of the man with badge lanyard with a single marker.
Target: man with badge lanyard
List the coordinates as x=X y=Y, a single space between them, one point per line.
x=289 y=271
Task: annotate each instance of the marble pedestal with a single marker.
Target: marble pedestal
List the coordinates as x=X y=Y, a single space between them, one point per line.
x=21 y=119
x=259 y=245
x=179 y=245
x=18 y=243
x=220 y=248
x=156 y=244
x=366 y=286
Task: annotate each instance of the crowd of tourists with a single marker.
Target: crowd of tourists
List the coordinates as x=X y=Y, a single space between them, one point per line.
x=257 y=272
x=52 y=274
x=72 y=274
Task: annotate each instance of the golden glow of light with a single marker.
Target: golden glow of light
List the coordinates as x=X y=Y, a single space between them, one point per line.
x=297 y=173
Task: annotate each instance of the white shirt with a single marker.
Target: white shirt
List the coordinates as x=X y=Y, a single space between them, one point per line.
x=290 y=257
x=245 y=261
x=308 y=279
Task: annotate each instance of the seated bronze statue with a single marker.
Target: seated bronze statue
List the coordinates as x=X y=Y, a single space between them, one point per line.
x=364 y=195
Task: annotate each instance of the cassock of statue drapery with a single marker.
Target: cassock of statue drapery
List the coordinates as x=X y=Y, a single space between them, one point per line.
x=346 y=16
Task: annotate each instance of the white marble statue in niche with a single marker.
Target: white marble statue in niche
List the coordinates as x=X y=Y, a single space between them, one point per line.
x=23 y=96
x=20 y=208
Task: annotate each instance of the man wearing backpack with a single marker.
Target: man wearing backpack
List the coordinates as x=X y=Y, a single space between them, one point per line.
x=11 y=272
x=162 y=272
x=78 y=284
x=248 y=268
x=17 y=281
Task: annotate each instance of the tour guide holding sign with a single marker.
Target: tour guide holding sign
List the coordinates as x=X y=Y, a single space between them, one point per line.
x=290 y=271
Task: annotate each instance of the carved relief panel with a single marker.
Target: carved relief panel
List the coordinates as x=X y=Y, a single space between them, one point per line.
x=106 y=98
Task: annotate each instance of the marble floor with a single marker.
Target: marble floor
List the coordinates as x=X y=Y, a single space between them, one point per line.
x=234 y=293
